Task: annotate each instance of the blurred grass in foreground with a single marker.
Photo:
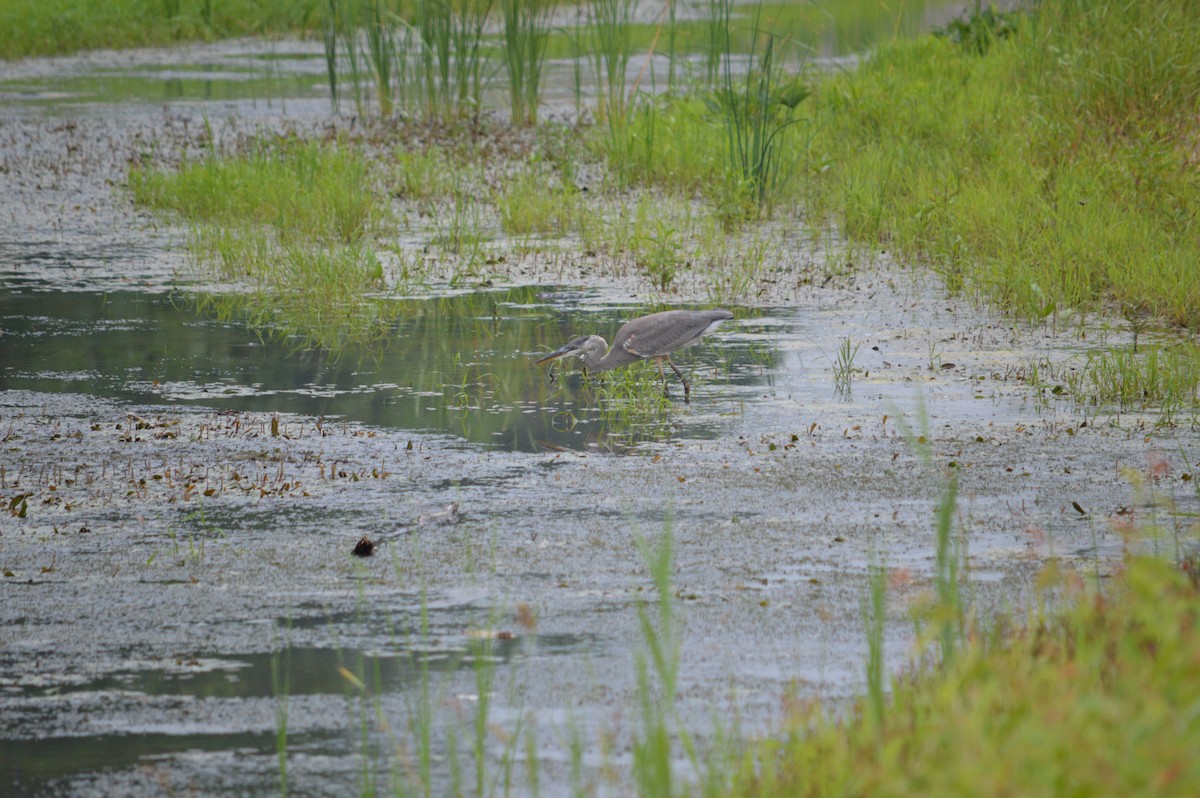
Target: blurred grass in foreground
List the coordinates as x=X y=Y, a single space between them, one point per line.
x=1100 y=700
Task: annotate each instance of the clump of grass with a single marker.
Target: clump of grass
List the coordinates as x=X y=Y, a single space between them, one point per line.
x=533 y=203
x=425 y=174
x=429 y=56
x=843 y=366
x=298 y=189
x=1049 y=705
x=526 y=34
x=659 y=256
x=453 y=61
x=611 y=27
x=386 y=50
x=1164 y=378
x=758 y=110
x=718 y=44
x=370 y=36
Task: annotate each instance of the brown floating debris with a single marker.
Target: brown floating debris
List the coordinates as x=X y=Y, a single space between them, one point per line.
x=364 y=547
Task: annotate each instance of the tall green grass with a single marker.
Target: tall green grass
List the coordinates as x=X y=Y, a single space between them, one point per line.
x=610 y=25
x=526 y=34
x=427 y=56
x=386 y=52
x=1056 y=170
x=370 y=40
x=453 y=59
x=758 y=110
x=658 y=677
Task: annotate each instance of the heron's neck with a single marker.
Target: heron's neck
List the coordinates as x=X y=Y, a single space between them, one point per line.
x=601 y=358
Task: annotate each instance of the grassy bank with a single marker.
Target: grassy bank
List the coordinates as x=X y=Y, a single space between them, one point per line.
x=1099 y=701
x=52 y=27
x=1055 y=167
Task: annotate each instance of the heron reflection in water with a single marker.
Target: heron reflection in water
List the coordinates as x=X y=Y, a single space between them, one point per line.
x=652 y=337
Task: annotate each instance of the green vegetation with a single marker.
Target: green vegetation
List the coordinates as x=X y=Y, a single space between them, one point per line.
x=1163 y=379
x=1099 y=700
x=291 y=220
x=534 y=203
x=298 y=189
x=1047 y=161
x=1058 y=169
x=758 y=111
x=423 y=55
x=50 y=27
x=526 y=33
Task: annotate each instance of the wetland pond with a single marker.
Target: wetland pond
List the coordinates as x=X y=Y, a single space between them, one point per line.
x=181 y=496
x=459 y=365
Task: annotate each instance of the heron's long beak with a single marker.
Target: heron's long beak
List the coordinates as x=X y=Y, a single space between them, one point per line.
x=571 y=348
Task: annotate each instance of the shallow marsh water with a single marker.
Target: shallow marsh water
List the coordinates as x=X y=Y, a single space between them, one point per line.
x=175 y=546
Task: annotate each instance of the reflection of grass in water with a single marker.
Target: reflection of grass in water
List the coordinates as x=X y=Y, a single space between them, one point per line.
x=292 y=318
x=297 y=291
x=632 y=396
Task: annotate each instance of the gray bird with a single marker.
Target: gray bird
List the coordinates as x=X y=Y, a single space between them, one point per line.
x=652 y=337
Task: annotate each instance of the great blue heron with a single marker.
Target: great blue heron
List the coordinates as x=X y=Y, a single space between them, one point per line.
x=652 y=337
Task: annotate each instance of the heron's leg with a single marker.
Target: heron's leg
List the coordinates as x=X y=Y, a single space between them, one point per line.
x=658 y=361
x=687 y=388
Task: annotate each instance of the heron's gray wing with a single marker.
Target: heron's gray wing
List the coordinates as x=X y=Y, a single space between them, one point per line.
x=662 y=333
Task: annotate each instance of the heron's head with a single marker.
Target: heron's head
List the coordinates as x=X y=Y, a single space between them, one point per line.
x=585 y=346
